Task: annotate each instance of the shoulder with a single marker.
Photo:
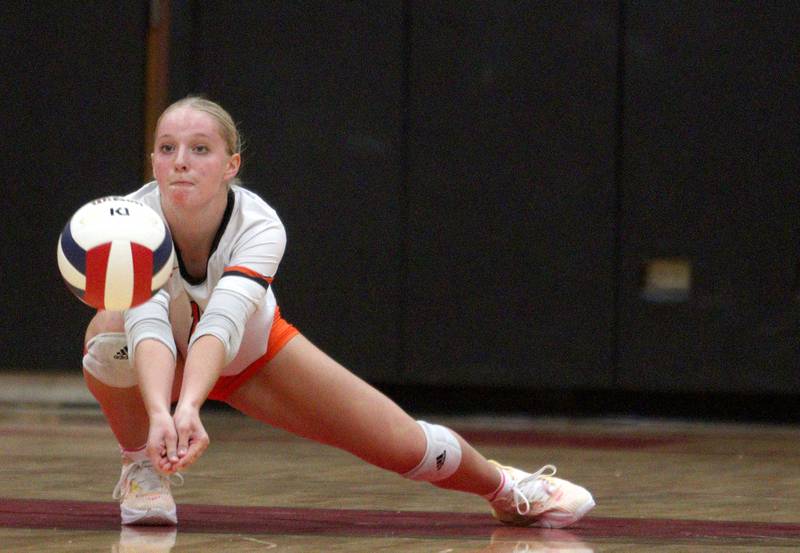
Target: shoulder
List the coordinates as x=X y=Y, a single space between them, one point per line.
x=251 y=209
x=254 y=236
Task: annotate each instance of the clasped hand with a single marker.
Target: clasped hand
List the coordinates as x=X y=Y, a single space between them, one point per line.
x=175 y=442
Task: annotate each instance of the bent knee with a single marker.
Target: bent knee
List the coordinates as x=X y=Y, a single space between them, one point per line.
x=106 y=359
x=104 y=321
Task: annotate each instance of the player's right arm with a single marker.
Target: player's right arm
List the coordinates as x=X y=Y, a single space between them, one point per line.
x=155 y=369
x=154 y=354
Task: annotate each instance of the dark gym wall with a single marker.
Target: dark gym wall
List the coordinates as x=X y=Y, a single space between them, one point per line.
x=72 y=76
x=472 y=190
x=510 y=192
x=318 y=91
x=710 y=175
x=445 y=175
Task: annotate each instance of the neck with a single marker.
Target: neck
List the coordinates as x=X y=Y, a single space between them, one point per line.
x=193 y=229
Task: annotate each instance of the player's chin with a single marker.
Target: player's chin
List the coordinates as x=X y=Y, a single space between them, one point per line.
x=180 y=195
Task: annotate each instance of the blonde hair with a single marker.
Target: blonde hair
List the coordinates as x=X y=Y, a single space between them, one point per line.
x=227 y=128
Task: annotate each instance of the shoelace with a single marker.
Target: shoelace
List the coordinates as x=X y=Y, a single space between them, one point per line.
x=530 y=490
x=148 y=479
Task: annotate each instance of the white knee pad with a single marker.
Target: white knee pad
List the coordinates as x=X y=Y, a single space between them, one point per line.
x=106 y=359
x=442 y=454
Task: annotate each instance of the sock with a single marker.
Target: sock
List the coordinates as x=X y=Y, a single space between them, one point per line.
x=135 y=455
x=504 y=487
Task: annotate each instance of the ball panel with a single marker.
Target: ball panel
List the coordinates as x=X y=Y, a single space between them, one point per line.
x=75 y=254
x=96 y=268
x=162 y=276
x=142 y=273
x=73 y=276
x=116 y=218
x=164 y=253
x=120 y=276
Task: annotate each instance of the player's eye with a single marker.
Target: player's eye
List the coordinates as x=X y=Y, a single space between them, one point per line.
x=201 y=149
x=166 y=148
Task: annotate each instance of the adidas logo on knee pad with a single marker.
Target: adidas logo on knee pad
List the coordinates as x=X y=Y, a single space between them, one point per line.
x=437 y=466
x=122 y=354
x=107 y=359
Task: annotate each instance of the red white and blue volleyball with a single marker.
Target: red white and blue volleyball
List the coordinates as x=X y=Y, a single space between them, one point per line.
x=115 y=253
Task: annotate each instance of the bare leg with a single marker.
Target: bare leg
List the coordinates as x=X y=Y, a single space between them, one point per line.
x=124 y=412
x=122 y=407
x=305 y=392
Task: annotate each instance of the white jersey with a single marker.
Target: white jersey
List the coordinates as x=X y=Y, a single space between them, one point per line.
x=234 y=302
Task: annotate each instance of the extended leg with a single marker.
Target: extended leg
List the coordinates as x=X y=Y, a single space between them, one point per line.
x=304 y=391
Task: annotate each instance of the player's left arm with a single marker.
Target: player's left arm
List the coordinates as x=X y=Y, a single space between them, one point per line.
x=219 y=332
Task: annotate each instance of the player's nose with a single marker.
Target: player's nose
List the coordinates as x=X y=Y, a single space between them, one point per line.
x=181 y=159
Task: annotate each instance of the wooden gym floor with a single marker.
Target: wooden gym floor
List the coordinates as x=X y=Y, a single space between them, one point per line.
x=661 y=486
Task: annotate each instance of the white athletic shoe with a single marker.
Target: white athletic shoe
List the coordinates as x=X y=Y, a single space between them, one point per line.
x=144 y=495
x=540 y=499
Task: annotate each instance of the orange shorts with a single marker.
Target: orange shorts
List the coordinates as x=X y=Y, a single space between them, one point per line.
x=279 y=335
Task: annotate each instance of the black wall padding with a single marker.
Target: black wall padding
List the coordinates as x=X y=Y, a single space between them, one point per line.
x=472 y=190
x=511 y=194
x=72 y=119
x=711 y=174
x=318 y=91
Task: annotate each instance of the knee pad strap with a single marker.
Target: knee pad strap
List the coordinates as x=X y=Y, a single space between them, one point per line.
x=106 y=359
x=442 y=454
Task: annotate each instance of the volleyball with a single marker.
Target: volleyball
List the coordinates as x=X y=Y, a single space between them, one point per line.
x=115 y=253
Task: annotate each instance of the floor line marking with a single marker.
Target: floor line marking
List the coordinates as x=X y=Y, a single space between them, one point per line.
x=224 y=519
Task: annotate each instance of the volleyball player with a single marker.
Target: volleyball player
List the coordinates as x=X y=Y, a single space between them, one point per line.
x=215 y=331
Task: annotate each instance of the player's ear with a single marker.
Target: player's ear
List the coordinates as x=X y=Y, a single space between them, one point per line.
x=234 y=162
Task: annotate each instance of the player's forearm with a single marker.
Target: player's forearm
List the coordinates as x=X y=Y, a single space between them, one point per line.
x=155 y=370
x=202 y=369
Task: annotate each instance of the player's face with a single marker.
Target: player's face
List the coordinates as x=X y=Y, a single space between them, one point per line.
x=190 y=158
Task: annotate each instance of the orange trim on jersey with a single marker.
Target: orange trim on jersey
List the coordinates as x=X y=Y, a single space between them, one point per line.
x=279 y=335
x=247 y=272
